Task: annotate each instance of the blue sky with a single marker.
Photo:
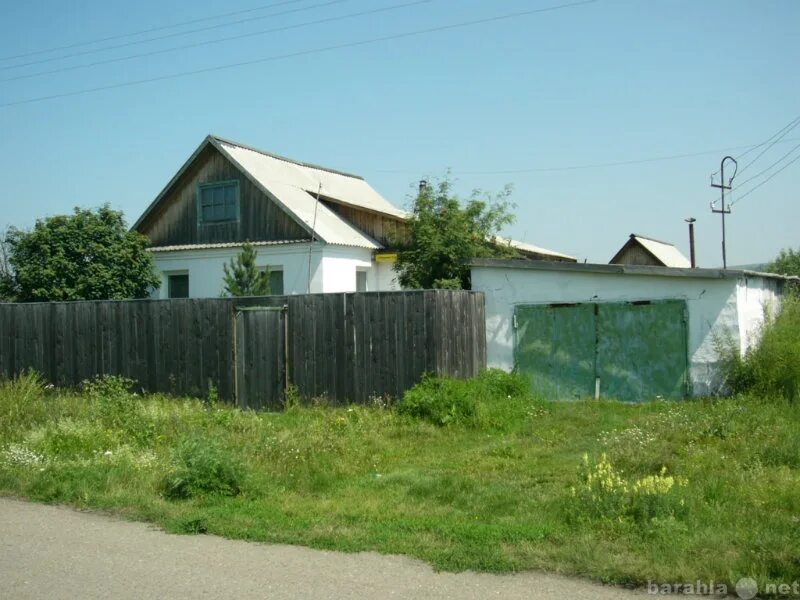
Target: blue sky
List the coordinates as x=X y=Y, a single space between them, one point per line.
x=500 y=102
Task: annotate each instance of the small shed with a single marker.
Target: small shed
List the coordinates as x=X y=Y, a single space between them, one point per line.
x=642 y=250
x=630 y=332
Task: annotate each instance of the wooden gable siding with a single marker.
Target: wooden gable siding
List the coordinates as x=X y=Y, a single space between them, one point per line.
x=174 y=221
x=636 y=254
x=384 y=229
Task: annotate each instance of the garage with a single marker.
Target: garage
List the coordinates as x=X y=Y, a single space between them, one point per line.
x=633 y=332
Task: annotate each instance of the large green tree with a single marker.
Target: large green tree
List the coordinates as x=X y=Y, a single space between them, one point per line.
x=786 y=263
x=243 y=278
x=445 y=233
x=88 y=255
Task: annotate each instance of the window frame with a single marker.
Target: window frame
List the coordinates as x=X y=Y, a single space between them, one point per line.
x=218 y=184
x=274 y=269
x=169 y=275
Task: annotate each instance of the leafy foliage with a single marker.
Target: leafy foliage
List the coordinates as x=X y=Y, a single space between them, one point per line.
x=88 y=255
x=444 y=235
x=243 y=278
x=787 y=263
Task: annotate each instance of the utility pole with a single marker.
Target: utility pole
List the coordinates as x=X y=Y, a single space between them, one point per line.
x=722 y=210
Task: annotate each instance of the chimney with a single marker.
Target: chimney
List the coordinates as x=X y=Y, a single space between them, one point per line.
x=691 y=221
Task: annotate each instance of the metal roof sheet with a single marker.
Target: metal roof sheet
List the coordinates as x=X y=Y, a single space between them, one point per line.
x=179 y=247
x=663 y=251
x=615 y=269
x=525 y=247
x=337 y=186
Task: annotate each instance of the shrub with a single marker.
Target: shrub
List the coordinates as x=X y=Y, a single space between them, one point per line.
x=440 y=400
x=771 y=369
x=492 y=399
x=202 y=468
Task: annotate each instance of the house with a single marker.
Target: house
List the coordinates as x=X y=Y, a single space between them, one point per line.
x=315 y=228
x=630 y=332
x=641 y=250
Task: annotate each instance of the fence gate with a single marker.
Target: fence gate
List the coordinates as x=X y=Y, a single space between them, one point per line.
x=260 y=353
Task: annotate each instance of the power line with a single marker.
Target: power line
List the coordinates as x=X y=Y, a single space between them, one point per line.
x=760 y=173
x=172 y=35
x=150 y=30
x=758 y=185
x=311 y=51
x=750 y=191
x=589 y=165
x=778 y=137
x=218 y=40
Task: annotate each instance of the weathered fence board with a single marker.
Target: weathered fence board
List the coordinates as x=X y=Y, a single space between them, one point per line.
x=345 y=347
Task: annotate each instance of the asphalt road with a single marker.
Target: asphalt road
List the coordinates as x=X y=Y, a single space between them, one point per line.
x=54 y=552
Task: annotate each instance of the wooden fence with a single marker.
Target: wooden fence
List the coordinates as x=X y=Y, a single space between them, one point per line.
x=348 y=347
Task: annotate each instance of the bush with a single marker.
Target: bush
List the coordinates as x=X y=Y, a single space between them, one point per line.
x=492 y=399
x=202 y=468
x=772 y=368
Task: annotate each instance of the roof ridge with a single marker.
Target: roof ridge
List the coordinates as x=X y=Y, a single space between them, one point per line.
x=284 y=158
x=645 y=237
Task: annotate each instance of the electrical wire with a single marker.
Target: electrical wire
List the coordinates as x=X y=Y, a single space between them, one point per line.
x=786 y=129
x=760 y=173
x=750 y=191
x=150 y=30
x=172 y=35
x=220 y=40
x=758 y=185
x=783 y=130
x=320 y=50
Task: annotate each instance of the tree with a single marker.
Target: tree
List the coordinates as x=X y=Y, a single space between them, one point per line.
x=88 y=255
x=444 y=236
x=243 y=278
x=787 y=263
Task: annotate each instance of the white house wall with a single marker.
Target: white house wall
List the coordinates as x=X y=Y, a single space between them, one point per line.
x=717 y=307
x=332 y=268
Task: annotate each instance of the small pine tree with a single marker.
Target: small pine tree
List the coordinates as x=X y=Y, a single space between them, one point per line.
x=243 y=278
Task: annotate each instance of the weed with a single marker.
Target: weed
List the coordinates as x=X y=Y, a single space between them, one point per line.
x=202 y=468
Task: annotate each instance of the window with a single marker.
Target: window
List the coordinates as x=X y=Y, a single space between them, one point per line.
x=361 y=281
x=275 y=279
x=178 y=285
x=276 y=282
x=218 y=202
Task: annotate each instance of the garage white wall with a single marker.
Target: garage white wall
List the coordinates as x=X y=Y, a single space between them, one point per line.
x=718 y=307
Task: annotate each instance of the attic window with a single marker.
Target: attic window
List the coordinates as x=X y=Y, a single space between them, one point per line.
x=218 y=202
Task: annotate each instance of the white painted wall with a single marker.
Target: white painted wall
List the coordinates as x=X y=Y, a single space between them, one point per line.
x=333 y=268
x=716 y=307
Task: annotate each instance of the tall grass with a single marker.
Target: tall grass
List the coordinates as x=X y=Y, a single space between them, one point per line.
x=463 y=474
x=771 y=369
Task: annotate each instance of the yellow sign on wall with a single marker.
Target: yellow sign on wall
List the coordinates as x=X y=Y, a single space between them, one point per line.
x=386 y=257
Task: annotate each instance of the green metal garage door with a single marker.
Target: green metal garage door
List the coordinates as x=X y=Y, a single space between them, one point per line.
x=556 y=346
x=637 y=350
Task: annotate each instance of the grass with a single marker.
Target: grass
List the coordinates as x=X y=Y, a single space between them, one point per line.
x=464 y=475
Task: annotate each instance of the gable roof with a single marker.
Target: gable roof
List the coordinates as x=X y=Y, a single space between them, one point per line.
x=294 y=186
x=664 y=252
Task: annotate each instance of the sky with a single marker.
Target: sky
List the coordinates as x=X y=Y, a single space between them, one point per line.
x=607 y=117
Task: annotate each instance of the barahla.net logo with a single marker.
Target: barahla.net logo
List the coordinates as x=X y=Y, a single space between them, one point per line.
x=746 y=589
